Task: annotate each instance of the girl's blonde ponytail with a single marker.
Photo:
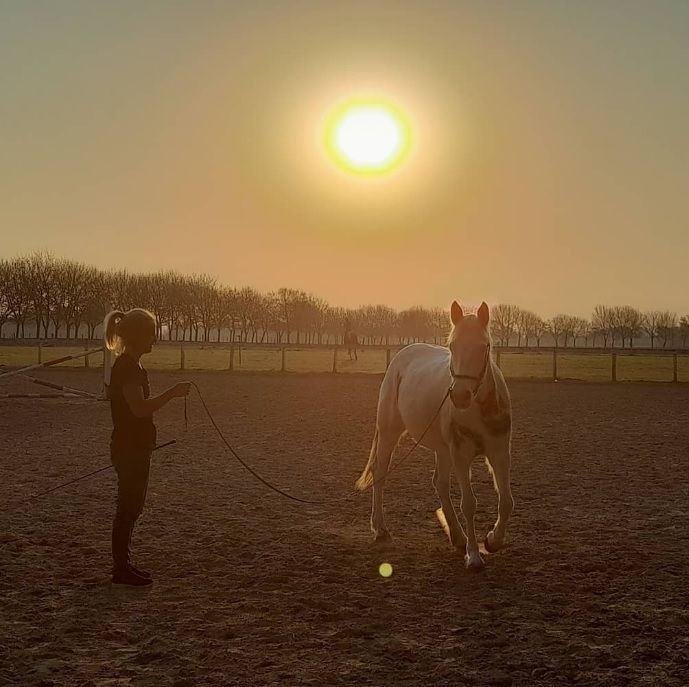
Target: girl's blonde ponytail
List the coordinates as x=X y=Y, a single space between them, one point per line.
x=113 y=340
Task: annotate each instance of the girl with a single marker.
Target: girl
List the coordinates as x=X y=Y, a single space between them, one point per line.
x=130 y=335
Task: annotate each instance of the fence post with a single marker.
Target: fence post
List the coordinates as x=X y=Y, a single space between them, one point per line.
x=674 y=367
x=614 y=366
x=387 y=358
x=181 y=356
x=555 y=364
x=282 y=359
x=231 y=367
x=335 y=359
x=40 y=352
x=86 y=358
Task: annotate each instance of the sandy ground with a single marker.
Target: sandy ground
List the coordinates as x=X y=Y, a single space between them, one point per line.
x=252 y=589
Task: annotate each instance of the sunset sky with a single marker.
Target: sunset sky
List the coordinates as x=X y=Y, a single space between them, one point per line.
x=549 y=163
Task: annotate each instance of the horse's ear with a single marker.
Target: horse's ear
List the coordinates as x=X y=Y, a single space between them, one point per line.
x=456 y=313
x=483 y=314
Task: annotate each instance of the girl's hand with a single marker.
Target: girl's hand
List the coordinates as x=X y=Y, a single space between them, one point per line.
x=181 y=389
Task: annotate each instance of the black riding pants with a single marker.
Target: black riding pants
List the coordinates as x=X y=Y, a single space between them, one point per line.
x=132 y=465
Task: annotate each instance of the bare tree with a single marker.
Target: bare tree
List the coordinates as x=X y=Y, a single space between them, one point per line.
x=205 y=294
x=4 y=299
x=366 y=324
x=503 y=319
x=580 y=329
x=17 y=289
x=602 y=324
x=300 y=314
x=95 y=304
x=666 y=326
x=375 y=323
x=285 y=299
x=535 y=328
x=319 y=317
x=440 y=324
x=158 y=292
x=415 y=324
x=628 y=321
x=684 y=329
x=558 y=327
x=522 y=325
x=335 y=324
x=649 y=324
x=617 y=329
x=42 y=275
x=73 y=278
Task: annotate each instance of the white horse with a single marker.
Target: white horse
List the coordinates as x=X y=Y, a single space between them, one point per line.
x=476 y=421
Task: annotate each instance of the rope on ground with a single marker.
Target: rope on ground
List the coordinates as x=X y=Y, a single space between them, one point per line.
x=247 y=467
x=296 y=498
x=90 y=474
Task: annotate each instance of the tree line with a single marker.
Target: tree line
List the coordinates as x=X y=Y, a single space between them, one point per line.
x=45 y=297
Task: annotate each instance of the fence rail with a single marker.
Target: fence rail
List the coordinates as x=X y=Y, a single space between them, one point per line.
x=589 y=364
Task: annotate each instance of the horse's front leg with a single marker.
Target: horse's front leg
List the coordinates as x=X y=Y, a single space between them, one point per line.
x=499 y=461
x=441 y=483
x=462 y=458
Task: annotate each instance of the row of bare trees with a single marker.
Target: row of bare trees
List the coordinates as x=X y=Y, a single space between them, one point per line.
x=46 y=297
x=608 y=326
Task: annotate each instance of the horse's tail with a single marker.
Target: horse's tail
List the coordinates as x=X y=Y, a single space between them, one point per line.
x=366 y=479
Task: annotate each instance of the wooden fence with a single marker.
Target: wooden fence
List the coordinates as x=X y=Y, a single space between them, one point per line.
x=558 y=358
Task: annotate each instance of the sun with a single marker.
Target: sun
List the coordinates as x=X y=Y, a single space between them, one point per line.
x=368 y=137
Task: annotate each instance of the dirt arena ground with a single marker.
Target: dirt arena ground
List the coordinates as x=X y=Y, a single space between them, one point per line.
x=252 y=589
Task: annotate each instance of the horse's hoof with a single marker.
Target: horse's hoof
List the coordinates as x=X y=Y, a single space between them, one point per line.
x=489 y=544
x=383 y=537
x=459 y=547
x=474 y=563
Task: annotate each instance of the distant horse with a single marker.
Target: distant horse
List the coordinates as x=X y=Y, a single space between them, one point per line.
x=351 y=341
x=476 y=421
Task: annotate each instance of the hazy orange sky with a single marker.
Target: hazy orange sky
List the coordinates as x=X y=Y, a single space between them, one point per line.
x=550 y=166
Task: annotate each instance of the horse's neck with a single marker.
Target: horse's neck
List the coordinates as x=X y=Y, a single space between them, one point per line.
x=488 y=386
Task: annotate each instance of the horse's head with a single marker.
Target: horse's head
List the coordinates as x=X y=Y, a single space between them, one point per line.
x=469 y=344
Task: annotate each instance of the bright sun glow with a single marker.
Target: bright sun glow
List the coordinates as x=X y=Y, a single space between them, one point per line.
x=368 y=137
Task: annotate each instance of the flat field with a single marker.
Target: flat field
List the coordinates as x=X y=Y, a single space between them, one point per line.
x=253 y=589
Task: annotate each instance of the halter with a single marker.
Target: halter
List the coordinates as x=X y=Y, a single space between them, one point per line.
x=478 y=379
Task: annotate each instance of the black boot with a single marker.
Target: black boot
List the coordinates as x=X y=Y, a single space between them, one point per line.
x=129 y=578
x=139 y=571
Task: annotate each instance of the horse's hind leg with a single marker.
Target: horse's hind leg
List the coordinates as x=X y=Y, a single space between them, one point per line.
x=389 y=432
x=385 y=448
x=441 y=483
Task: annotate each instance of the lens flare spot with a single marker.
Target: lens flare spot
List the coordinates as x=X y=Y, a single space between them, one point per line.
x=385 y=569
